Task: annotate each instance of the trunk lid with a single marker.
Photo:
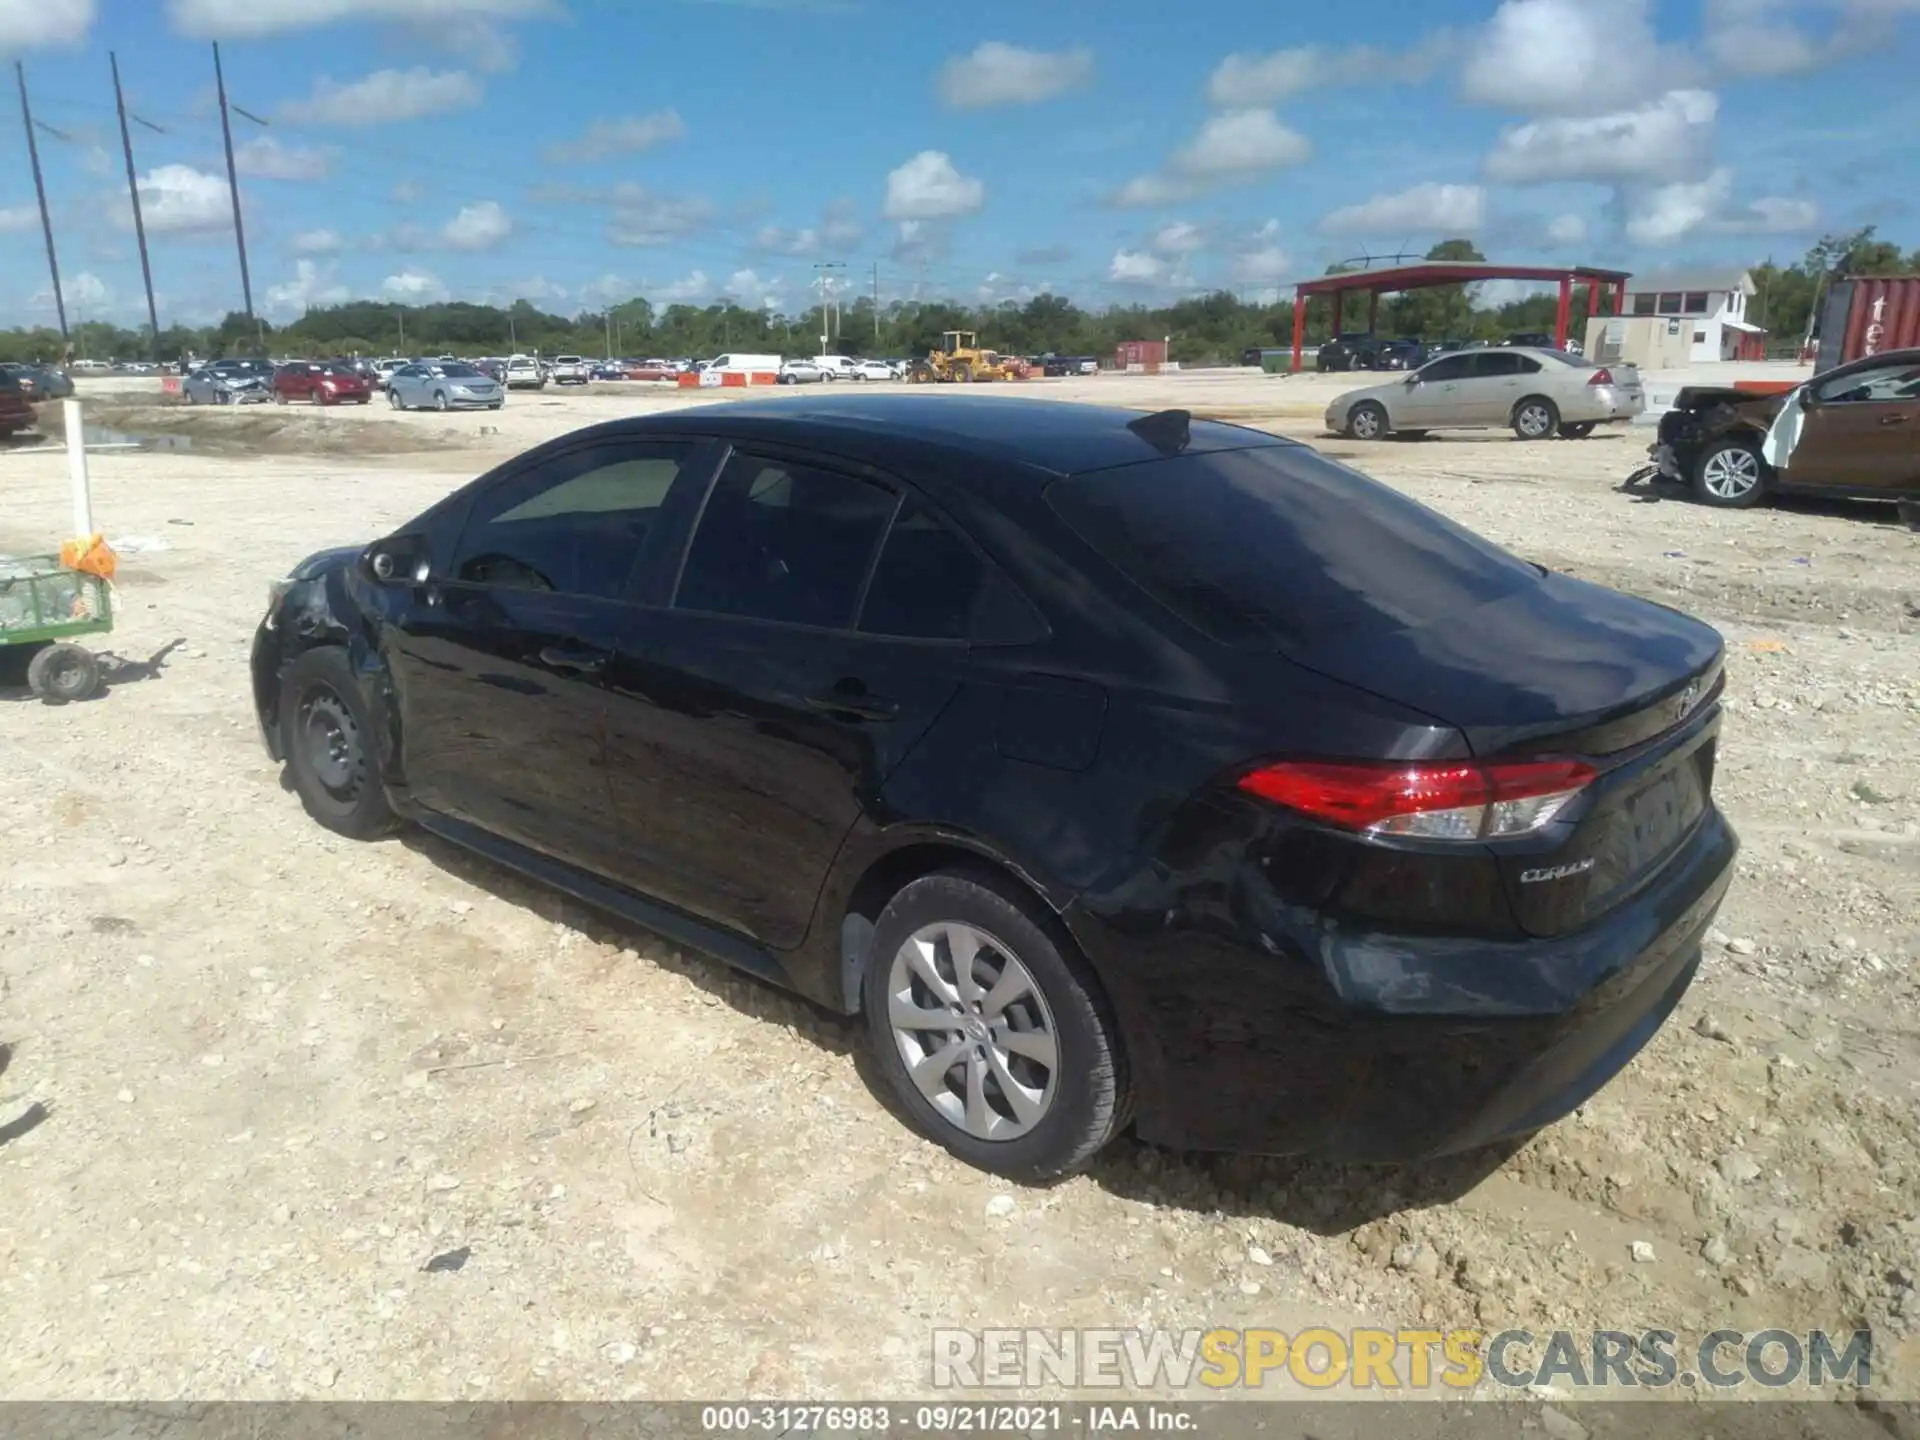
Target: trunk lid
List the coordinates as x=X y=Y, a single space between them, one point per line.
x=1566 y=668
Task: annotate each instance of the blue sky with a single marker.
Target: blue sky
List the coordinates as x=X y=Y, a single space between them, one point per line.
x=568 y=151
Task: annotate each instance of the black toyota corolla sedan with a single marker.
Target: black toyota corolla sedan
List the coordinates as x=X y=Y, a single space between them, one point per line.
x=1118 y=769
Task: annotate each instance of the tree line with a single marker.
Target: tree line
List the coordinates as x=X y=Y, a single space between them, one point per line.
x=1202 y=329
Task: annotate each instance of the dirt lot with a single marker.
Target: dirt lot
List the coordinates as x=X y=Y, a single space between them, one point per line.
x=281 y=1073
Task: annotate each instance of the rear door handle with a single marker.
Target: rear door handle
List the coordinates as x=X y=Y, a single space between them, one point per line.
x=577 y=658
x=858 y=704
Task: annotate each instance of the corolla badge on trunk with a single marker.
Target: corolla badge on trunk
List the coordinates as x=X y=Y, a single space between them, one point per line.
x=1689 y=697
x=1556 y=872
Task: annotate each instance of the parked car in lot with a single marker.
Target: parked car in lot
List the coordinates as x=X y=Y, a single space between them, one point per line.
x=1399 y=355
x=1539 y=393
x=1348 y=352
x=1114 y=768
x=835 y=367
x=800 y=372
x=16 y=410
x=40 y=383
x=525 y=373
x=320 y=382
x=570 y=370
x=1848 y=432
x=229 y=382
x=609 y=370
x=440 y=385
x=1530 y=340
x=91 y=367
x=872 y=370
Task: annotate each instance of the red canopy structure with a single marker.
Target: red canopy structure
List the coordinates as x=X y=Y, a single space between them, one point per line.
x=1428 y=273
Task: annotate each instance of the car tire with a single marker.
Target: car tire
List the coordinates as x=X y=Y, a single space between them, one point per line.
x=1577 y=430
x=64 y=674
x=394 y=400
x=279 y=397
x=364 y=400
x=496 y=404
x=189 y=396
x=1368 y=421
x=1534 y=418
x=440 y=400
x=1731 y=474
x=1084 y=1099
x=327 y=736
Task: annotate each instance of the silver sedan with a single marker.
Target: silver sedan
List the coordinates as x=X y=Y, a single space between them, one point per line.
x=443 y=385
x=226 y=382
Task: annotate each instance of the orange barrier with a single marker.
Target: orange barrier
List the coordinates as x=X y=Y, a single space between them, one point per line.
x=689 y=380
x=763 y=377
x=1766 y=387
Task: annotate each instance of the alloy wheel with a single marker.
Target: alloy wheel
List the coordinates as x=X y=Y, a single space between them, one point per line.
x=973 y=1030
x=1731 y=473
x=1366 y=423
x=1534 y=421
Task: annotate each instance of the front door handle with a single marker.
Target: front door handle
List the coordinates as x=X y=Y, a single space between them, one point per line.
x=853 y=700
x=1895 y=419
x=577 y=658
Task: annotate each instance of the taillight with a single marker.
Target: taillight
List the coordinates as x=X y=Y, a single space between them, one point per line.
x=1602 y=376
x=1456 y=800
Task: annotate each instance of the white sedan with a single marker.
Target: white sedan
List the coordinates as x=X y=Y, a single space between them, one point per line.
x=872 y=370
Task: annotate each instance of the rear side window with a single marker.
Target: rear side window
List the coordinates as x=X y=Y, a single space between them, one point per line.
x=1280 y=548
x=926 y=582
x=779 y=540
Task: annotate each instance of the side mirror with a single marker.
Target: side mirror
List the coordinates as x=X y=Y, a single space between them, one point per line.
x=1413 y=380
x=398 y=560
x=1806 y=399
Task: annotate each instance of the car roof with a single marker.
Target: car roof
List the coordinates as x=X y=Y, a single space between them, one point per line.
x=1043 y=437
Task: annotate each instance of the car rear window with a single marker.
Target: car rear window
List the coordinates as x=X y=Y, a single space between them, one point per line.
x=1281 y=548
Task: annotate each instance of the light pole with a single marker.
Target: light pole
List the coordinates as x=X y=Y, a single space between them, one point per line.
x=823 y=277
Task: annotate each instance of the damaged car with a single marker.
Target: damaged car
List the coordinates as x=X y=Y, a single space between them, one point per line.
x=229 y=382
x=1852 y=433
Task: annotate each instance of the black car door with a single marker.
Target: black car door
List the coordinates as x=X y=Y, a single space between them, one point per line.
x=498 y=663
x=751 y=720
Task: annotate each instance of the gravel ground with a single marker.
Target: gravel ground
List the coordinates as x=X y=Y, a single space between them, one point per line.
x=322 y=1119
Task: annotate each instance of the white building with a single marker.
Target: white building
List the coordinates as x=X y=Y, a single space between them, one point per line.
x=1712 y=302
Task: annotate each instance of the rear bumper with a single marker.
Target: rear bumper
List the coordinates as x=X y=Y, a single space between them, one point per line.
x=1604 y=405
x=1397 y=1047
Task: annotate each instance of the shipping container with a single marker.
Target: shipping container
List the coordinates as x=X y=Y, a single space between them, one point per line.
x=1866 y=315
x=1148 y=355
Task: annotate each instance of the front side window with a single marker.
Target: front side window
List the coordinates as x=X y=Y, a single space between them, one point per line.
x=1448 y=367
x=780 y=540
x=573 y=526
x=1876 y=383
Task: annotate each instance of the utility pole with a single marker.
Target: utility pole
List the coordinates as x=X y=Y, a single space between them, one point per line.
x=133 y=194
x=233 y=186
x=823 y=277
x=609 y=319
x=400 y=314
x=40 y=189
x=876 y=300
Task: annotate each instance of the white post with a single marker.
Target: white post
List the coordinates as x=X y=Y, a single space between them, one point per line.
x=77 y=470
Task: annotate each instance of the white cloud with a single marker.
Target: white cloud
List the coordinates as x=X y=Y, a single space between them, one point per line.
x=628 y=135
x=1181 y=237
x=406 y=192
x=840 y=225
x=1244 y=80
x=265 y=158
x=918 y=240
x=540 y=289
x=1261 y=261
x=839 y=229
x=1000 y=74
x=690 y=287
x=477 y=227
x=756 y=291
x=1667 y=139
x=311 y=285
x=385 y=96
x=1228 y=148
x=1571 y=57
x=1136 y=267
x=86 y=296
x=1665 y=214
x=1493 y=294
x=15 y=218
x=1241 y=142
x=1765 y=38
x=476 y=40
x=317 y=242
x=777 y=241
x=1423 y=210
x=30 y=24
x=609 y=289
x=640 y=217
x=179 y=200
x=415 y=287
x=1567 y=229
x=928 y=187
x=253 y=19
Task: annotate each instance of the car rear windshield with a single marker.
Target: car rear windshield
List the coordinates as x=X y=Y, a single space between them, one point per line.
x=1280 y=548
x=460 y=372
